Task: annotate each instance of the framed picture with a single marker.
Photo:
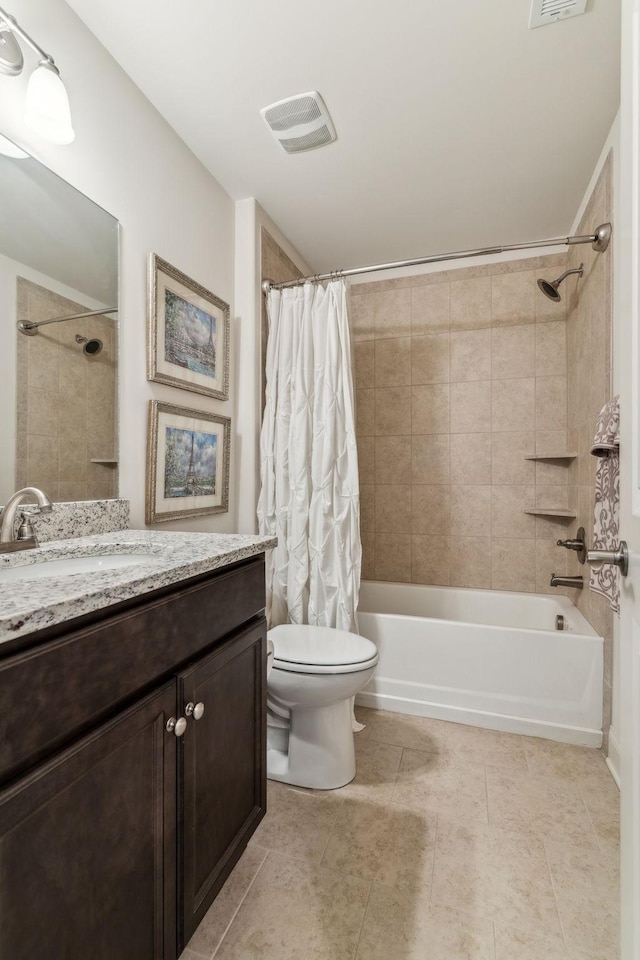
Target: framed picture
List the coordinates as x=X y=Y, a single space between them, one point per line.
x=187 y=463
x=188 y=333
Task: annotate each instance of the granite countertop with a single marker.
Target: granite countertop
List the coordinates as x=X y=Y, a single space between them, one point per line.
x=30 y=605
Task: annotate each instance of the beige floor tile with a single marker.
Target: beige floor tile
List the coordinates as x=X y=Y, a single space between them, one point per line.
x=209 y=934
x=578 y=873
x=563 y=760
x=376 y=770
x=401 y=729
x=429 y=782
x=591 y=928
x=602 y=799
x=295 y=910
x=298 y=823
x=499 y=890
x=191 y=955
x=477 y=842
x=543 y=806
x=514 y=944
x=403 y=926
x=383 y=842
x=476 y=744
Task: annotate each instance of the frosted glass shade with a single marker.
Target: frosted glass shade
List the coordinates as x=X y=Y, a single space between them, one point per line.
x=47 y=110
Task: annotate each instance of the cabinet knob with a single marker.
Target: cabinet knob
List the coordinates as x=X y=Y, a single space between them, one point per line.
x=177 y=727
x=195 y=710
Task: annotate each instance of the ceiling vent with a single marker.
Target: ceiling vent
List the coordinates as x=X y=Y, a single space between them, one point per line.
x=552 y=11
x=300 y=123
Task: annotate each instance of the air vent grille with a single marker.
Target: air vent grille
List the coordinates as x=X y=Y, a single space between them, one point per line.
x=300 y=123
x=544 y=12
x=291 y=113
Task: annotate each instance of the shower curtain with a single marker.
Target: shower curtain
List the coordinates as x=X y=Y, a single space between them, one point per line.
x=309 y=496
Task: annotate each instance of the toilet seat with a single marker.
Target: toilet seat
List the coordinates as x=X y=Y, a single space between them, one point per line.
x=299 y=648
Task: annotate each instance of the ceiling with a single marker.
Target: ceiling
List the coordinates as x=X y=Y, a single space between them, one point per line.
x=457 y=126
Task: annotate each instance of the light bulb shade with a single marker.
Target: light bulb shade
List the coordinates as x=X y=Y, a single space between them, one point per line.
x=47 y=110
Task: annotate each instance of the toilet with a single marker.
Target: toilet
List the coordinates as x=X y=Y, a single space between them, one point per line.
x=315 y=673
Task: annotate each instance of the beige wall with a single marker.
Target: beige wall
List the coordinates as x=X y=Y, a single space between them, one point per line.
x=66 y=403
x=590 y=377
x=459 y=376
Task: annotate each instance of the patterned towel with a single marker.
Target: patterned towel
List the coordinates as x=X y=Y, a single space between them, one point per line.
x=606 y=446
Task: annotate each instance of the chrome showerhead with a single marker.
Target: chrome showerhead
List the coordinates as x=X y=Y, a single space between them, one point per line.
x=90 y=347
x=550 y=287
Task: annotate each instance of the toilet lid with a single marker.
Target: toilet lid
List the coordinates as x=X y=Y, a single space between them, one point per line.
x=320 y=646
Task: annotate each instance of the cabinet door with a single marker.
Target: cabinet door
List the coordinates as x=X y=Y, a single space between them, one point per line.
x=223 y=767
x=87 y=845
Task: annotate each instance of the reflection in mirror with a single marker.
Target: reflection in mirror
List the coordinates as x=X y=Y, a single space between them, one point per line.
x=58 y=381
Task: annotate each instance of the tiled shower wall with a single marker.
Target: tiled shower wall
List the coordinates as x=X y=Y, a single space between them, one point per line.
x=459 y=376
x=590 y=362
x=66 y=401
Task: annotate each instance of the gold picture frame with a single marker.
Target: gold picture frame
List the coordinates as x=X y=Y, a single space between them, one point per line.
x=187 y=333
x=188 y=454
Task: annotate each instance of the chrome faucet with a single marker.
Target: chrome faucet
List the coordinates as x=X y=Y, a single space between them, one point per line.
x=566 y=582
x=26 y=537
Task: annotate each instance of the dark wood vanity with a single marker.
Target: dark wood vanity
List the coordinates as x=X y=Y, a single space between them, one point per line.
x=116 y=834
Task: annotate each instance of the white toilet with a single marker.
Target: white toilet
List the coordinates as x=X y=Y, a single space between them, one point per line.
x=316 y=672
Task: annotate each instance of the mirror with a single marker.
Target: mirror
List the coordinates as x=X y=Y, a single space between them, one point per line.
x=58 y=385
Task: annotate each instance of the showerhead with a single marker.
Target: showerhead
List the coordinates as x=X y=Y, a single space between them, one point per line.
x=550 y=287
x=90 y=347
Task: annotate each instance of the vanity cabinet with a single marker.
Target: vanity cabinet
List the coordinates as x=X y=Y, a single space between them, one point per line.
x=116 y=834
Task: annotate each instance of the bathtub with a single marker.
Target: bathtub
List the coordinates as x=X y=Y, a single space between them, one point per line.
x=485 y=658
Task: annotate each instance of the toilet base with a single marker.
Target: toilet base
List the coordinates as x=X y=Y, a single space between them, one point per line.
x=320 y=752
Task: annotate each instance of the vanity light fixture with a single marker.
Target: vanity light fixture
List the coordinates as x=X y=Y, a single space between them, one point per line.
x=47 y=109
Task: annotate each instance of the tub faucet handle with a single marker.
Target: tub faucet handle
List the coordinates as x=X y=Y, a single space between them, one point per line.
x=578 y=544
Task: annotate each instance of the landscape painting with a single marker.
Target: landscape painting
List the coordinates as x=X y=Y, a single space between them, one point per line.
x=188 y=333
x=188 y=454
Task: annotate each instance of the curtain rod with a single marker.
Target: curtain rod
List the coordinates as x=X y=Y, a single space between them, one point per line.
x=25 y=326
x=598 y=240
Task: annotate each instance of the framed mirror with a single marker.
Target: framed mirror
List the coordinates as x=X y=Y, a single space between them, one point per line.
x=58 y=380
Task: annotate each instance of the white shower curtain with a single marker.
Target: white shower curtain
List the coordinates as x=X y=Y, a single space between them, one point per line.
x=309 y=495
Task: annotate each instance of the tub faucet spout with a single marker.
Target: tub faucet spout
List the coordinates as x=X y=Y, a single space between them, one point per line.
x=566 y=582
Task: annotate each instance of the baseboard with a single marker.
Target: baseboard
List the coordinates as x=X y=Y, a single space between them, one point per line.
x=613 y=756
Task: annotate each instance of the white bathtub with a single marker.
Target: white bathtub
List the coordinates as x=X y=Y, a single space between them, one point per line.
x=486 y=658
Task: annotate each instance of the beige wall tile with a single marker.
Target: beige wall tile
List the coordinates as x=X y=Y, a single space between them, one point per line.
x=471 y=562
x=551 y=403
x=431 y=560
x=72 y=491
x=43 y=412
x=364 y=363
x=471 y=407
x=554 y=441
x=431 y=509
x=551 y=349
x=513 y=405
x=471 y=458
x=430 y=459
x=366 y=459
x=393 y=362
x=508 y=464
x=430 y=309
x=368 y=570
x=392 y=313
x=471 y=303
x=508 y=518
x=471 y=355
x=513 y=565
x=392 y=459
x=365 y=413
x=512 y=298
x=367 y=506
x=42 y=457
x=393 y=411
x=430 y=408
x=470 y=510
x=393 y=508
x=550 y=559
x=513 y=352
x=430 y=359
x=393 y=557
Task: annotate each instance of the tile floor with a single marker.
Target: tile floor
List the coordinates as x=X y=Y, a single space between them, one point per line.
x=452 y=843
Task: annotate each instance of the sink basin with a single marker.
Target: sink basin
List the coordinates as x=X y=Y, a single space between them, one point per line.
x=65 y=566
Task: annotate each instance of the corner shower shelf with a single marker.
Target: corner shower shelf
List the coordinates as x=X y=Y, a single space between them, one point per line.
x=552 y=512
x=105 y=463
x=552 y=456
